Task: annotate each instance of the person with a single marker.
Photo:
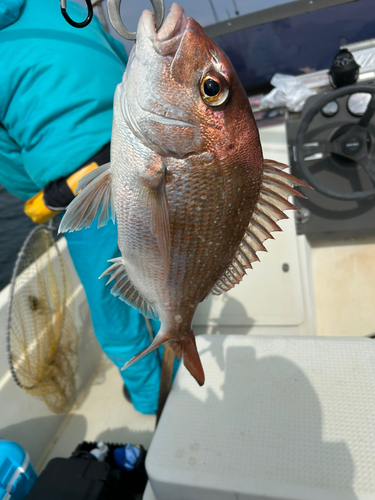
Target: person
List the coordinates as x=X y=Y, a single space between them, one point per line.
x=56 y=98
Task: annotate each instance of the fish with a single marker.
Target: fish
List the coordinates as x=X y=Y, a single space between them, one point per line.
x=187 y=183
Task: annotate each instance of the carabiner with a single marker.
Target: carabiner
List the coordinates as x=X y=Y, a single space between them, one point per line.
x=115 y=17
x=84 y=23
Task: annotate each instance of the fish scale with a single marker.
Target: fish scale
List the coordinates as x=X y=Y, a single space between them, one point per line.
x=182 y=218
x=193 y=197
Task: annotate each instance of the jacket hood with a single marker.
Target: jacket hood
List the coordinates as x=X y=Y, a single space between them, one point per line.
x=9 y=11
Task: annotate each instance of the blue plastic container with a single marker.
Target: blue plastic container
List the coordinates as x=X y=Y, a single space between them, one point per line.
x=17 y=475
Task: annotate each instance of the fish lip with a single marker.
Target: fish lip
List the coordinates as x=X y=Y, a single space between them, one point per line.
x=167 y=40
x=174 y=24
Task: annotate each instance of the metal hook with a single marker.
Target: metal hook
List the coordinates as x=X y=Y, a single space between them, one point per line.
x=115 y=17
x=84 y=23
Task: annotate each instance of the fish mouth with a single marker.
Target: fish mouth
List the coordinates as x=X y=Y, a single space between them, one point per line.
x=168 y=39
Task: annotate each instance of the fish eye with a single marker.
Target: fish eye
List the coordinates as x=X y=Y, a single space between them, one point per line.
x=211 y=88
x=214 y=89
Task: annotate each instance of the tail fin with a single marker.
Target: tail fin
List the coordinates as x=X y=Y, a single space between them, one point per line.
x=185 y=347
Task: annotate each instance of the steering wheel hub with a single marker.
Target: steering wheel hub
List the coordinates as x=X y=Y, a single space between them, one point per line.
x=352 y=145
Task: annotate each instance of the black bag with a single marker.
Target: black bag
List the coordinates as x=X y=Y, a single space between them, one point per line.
x=83 y=477
x=75 y=479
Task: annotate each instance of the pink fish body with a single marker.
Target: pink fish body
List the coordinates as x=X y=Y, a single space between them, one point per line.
x=193 y=197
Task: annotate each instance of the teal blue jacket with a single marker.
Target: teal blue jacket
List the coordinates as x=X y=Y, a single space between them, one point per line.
x=55 y=111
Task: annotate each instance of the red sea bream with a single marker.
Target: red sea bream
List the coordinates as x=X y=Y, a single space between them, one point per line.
x=193 y=197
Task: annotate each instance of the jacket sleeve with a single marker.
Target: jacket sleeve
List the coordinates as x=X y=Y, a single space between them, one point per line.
x=12 y=171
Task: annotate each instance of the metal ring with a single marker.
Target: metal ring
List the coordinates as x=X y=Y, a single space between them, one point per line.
x=115 y=17
x=84 y=23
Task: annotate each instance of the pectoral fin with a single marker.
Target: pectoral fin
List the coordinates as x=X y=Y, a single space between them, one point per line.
x=153 y=200
x=94 y=199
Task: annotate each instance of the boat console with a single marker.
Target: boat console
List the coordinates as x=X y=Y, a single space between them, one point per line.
x=331 y=146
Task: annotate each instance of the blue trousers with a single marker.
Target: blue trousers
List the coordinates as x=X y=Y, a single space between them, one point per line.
x=120 y=329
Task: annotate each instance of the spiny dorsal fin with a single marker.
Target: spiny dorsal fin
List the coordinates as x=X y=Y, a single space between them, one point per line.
x=93 y=200
x=125 y=290
x=276 y=187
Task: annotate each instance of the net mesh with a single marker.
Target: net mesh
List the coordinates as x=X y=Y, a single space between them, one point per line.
x=42 y=337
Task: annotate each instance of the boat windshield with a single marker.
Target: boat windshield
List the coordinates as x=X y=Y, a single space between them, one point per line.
x=296 y=45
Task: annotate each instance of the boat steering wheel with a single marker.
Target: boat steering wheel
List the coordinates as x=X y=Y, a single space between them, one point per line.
x=351 y=141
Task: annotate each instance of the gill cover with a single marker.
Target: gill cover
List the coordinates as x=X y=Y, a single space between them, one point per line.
x=154 y=106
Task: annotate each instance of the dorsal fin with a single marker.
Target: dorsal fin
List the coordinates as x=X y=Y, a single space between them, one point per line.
x=276 y=187
x=125 y=290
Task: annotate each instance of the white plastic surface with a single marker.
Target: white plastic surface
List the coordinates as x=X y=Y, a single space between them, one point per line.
x=285 y=418
x=148 y=494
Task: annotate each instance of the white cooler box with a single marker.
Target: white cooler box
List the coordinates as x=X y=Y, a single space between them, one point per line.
x=278 y=418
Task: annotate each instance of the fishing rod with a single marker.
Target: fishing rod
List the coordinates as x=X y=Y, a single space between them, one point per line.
x=114 y=15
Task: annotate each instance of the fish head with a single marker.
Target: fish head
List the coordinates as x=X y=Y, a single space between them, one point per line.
x=180 y=94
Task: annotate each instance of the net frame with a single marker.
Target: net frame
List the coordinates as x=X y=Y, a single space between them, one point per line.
x=42 y=339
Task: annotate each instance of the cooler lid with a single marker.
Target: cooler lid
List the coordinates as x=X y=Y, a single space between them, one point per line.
x=286 y=418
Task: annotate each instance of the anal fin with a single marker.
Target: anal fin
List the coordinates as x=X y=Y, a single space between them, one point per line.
x=125 y=290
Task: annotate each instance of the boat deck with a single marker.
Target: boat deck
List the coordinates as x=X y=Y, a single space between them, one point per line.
x=102 y=414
